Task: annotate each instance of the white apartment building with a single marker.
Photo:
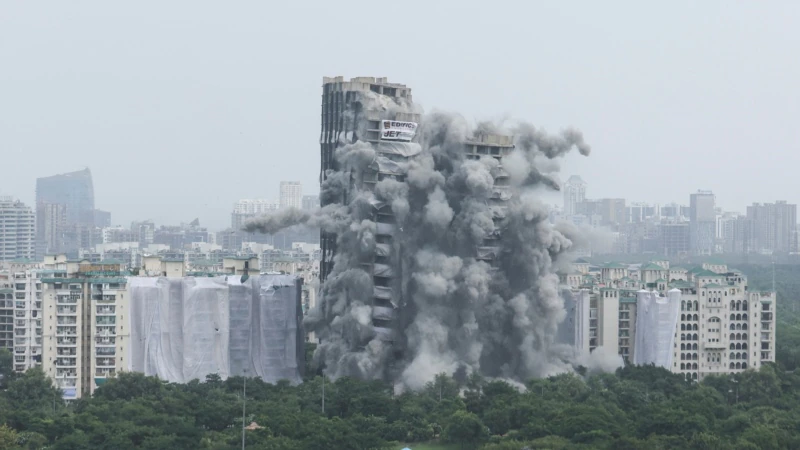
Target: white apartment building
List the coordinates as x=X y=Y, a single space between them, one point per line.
x=84 y=336
x=17 y=230
x=721 y=328
x=6 y=317
x=249 y=208
x=27 y=288
x=574 y=193
x=291 y=194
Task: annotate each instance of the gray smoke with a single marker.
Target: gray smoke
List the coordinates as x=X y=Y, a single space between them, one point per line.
x=465 y=280
x=272 y=223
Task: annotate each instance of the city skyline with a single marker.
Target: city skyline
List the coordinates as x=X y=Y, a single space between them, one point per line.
x=132 y=116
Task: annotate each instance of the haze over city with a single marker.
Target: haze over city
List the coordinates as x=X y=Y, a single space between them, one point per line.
x=180 y=109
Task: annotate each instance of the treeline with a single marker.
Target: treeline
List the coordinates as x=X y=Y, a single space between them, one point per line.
x=636 y=408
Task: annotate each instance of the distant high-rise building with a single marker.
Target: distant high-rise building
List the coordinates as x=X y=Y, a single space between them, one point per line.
x=102 y=219
x=675 y=212
x=144 y=232
x=612 y=210
x=639 y=212
x=674 y=239
x=702 y=222
x=17 y=230
x=574 y=193
x=774 y=227
x=51 y=224
x=291 y=194
x=249 y=208
x=75 y=192
x=310 y=202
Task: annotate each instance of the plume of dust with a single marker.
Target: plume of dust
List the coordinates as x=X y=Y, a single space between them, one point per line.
x=470 y=266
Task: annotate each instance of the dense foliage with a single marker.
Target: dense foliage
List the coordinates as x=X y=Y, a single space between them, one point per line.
x=638 y=407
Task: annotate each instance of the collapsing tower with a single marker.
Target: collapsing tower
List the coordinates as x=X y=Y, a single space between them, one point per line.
x=382 y=115
x=431 y=263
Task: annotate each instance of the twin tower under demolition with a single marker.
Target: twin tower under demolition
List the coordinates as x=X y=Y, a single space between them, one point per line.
x=438 y=255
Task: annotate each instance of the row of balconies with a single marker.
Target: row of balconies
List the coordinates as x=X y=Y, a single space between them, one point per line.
x=66 y=362
x=106 y=310
x=104 y=372
x=105 y=351
x=70 y=341
x=105 y=341
x=105 y=362
x=67 y=310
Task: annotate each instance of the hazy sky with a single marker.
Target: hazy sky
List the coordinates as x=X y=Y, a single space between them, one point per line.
x=180 y=108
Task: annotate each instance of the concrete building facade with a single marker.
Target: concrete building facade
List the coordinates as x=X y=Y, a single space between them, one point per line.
x=702 y=222
x=84 y=334
x=574 y=194
x=291 y=194
x=774 y=227
x=17 y=230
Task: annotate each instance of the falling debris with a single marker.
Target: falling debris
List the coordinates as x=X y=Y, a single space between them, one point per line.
x=445 y=257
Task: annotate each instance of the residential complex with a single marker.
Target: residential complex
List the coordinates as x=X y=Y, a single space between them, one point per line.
x=711 y=323
x=85 y=322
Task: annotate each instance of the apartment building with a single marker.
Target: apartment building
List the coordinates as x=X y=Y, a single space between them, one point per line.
x=721 y=327
x=27 y=316
x=17 y=230
x=84 y=334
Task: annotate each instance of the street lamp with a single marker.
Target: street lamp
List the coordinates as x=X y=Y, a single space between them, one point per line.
x=731 y=391
x=244 y=405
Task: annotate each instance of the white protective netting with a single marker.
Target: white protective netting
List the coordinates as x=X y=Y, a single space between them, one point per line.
x=656 y=320
x=186 y=328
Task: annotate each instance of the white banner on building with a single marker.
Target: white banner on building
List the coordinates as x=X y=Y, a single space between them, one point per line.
x=392 y=130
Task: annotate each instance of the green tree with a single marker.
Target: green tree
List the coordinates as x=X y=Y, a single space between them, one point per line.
x=465 y=429
x=8 y=438
x=6 y=367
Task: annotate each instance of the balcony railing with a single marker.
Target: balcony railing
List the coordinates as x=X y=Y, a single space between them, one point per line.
x=106 y=351
x=105 y=341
